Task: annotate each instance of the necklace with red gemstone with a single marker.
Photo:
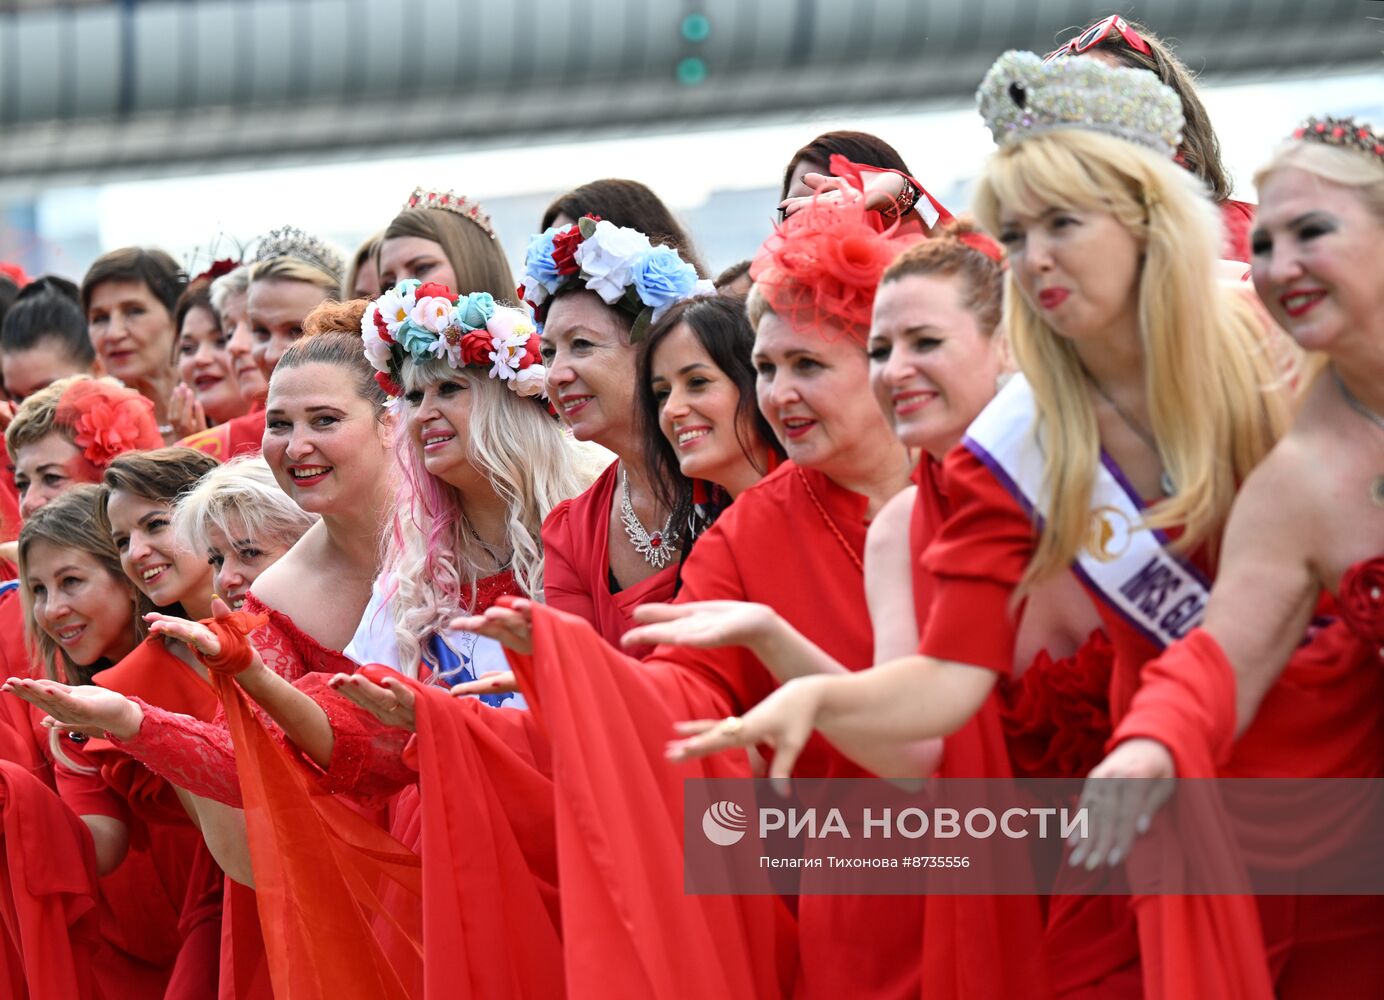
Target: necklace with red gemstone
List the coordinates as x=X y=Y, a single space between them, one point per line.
x=657 y=547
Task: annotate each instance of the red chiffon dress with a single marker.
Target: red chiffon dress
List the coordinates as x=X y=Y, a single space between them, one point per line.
x=1052 y=722
x=576 y=563
x=1191 y=946
x=793 y=541
x=1324 y=718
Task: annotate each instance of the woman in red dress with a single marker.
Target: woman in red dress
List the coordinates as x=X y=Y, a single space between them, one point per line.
x=793 y=540
x=208 y=392
x=1137 y=388
x=82 y=614
x=1239 y=697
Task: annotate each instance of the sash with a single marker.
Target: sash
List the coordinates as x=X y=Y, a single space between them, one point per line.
x=1127 y=565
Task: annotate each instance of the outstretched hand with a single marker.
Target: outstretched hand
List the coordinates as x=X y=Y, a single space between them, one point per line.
x=1120 y=797
x=701 y=624
x=509 y=622
x=390 y=700
x=85 y=709
x=498 y=682
x=784 y=720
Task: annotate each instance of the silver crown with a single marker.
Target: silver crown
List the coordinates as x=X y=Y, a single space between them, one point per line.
x=293 y=242
x=450 y=201
x=1023 y=96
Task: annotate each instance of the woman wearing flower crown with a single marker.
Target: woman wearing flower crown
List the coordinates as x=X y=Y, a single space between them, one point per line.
x=596 y=288
x=1243 y=677
x=1139 y=378
x=794 y=540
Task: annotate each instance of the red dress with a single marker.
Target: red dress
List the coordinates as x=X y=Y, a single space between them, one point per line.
x=795 y=541
x=1237 y=219
x=238 y=436
x=1052 y=723
x=576 y=563
x=1328 y=701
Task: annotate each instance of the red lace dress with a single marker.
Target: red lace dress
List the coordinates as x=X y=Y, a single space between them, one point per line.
x=199 y=757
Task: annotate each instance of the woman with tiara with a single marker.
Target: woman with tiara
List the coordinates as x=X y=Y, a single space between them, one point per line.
x=1140 y=379
x=1240 y=696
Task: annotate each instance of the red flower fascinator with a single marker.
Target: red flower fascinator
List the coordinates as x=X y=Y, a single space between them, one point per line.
x=108 y=420
x=820 y=268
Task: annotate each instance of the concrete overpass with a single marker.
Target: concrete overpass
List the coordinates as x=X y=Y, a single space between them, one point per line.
x=104 y=90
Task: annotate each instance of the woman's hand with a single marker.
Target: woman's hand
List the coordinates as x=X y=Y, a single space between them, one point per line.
x=703 y=625
x=498 y=682
x=510 y=623
x=391 y=700
x=185 y=413
x=784 y=721
x=1119 y=810
x=196 y=636
x=881 y=189
x=86 y=709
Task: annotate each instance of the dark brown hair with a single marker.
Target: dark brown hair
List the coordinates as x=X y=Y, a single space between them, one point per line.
x=196 y=296
x=1200 y=151
x=945 y=254
x=631 y=205
x=858 y=147
x=159 y=475
x=156 y=270
x=720 y=325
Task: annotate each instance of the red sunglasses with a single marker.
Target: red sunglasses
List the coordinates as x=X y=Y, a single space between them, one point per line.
x=1098 y=33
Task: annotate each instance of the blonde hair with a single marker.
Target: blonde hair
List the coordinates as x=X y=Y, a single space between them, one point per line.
x=1345 y=167
x=235 y=282
x=70 y=522
x=1215 y=393
x=432 y=553
x=294 y=269
x=37 y=416
x=244 y=489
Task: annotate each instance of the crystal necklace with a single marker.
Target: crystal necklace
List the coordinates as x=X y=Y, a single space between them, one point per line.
x=1377 y=483
x=657 y=547
x=1165 y=481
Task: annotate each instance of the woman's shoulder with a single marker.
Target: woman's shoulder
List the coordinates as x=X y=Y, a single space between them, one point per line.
x=575 y=511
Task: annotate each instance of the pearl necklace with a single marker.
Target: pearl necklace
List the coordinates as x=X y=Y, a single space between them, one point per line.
x=658 y=547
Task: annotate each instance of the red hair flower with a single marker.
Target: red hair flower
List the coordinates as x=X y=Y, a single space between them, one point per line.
x=820 y=268
x=532 y=351
x=565 y=246
x=476 y=347
x=432 y=289
x=390 y=387
x=108 y=420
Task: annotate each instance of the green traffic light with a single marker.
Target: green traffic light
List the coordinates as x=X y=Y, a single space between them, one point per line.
x=696 y=27
x=691 y=71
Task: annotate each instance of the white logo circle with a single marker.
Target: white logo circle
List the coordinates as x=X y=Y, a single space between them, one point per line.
x=724 y=823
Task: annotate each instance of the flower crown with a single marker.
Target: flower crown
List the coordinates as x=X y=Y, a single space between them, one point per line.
x=292 y=242
x=427 y=322
x=1023 y=96
x=450 y=201
x=1342 y=132
x=619 y=264
x=107 y=420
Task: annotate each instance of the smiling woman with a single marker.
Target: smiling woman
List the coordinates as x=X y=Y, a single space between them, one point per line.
x=128 y=296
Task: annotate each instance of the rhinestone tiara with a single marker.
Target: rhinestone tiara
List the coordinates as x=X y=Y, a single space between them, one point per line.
x=1022 y=96
x=450 y=201
x=290 y=241
x=1346 y=133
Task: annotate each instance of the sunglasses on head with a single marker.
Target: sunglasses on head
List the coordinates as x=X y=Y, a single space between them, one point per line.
x=1098 y=33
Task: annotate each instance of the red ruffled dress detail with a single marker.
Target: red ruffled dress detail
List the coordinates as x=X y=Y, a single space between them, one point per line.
x=1361 y=600
x=1057 y=715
